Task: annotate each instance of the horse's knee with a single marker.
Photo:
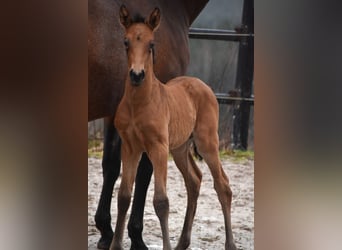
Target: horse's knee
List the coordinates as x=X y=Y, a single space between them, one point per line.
x=124 y=200
x=161 y=206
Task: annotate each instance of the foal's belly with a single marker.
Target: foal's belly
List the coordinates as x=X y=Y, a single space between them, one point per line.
x=177 y=140
x=181 y=126
x=182 y=116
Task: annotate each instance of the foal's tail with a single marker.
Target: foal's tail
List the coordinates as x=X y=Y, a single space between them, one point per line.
x=195 y=152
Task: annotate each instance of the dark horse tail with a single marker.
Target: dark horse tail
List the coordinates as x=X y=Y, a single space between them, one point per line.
x=195 y=152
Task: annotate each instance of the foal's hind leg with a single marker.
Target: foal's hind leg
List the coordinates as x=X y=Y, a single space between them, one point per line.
x=207 y=145
x=192 y=178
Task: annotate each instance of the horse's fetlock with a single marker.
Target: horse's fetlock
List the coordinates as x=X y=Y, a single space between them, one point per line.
x=134 y=229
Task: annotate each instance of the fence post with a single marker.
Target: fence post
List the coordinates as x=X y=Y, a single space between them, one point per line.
x=244 y=77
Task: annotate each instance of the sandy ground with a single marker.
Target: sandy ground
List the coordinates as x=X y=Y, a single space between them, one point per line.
x=208 y=228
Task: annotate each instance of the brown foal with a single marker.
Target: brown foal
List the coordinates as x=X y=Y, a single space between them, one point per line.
x=156 y=118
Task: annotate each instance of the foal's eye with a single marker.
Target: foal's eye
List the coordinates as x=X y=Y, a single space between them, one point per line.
x=126 y=43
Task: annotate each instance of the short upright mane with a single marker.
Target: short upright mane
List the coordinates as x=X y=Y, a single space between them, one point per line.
x=138 y=19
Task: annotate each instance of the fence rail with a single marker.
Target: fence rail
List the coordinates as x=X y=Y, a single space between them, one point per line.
x=224 y=98
x=218 y=34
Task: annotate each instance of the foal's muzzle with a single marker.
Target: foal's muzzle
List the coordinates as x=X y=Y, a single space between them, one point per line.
x=136 y=78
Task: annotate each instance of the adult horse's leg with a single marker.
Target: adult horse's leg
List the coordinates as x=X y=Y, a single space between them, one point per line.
x=192 y=177
x=135 y=223
x=111 y=163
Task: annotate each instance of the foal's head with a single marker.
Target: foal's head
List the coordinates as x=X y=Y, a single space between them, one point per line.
x=139 y=43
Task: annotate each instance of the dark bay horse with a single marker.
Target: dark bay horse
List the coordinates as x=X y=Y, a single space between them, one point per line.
x=107 y=67
x=157 y=118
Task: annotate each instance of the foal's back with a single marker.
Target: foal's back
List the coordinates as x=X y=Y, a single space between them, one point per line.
x=191 y=102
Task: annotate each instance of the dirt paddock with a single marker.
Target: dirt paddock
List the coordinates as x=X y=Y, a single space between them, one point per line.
x=208 y=228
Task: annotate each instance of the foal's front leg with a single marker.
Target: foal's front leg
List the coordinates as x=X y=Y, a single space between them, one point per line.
x=158 y=156
x=130 y=161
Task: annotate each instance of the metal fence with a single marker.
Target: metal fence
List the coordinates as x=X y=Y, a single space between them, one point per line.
x=241 y=97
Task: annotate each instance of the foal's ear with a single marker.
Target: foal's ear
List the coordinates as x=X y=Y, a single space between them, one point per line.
x=154 y=19
x=125 y=19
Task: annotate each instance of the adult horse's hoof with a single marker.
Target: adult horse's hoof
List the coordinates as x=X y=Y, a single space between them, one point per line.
x=140 y=246
x=104 y=243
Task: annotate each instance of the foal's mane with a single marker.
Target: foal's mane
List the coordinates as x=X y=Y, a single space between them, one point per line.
x=138 y=19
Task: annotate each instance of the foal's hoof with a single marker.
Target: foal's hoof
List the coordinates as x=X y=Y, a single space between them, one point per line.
x=231 y=246
x=104 y=243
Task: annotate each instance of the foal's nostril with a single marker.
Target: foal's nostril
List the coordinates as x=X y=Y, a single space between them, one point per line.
x=142 y=75
x=136 y=78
